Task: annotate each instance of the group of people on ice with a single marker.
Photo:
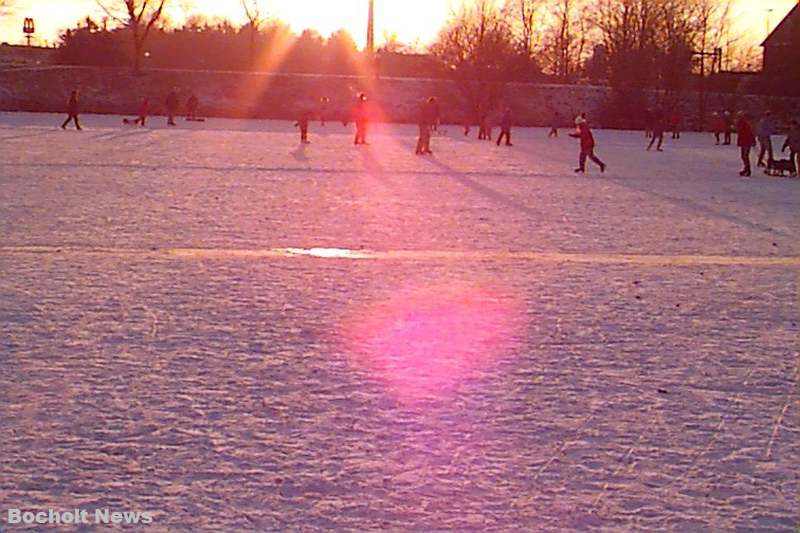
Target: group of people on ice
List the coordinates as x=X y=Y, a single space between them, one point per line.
x=723 y=126
x=750 y=135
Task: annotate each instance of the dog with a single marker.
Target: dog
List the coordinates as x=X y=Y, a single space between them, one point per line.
x=779 y=167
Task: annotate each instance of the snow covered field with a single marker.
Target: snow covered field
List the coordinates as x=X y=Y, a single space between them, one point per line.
x=234 y=332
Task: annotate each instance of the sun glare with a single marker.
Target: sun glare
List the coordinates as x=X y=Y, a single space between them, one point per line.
x=411 y=20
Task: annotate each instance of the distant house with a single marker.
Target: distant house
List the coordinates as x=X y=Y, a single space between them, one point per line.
x=782 y=46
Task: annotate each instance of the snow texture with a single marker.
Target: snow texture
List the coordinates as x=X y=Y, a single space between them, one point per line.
x=177 y=309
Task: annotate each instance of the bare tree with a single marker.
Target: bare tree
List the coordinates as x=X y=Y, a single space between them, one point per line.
x=475 y=46
x=255 y=20
x=524 y=17
x=139 y=16
x=566 y=36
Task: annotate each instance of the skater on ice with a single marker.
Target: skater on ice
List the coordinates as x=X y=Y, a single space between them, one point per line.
x=746 y=141
x=361 y=118
x=764 y=131
x=302 y=123
x=676 y=123
x=554 y=122
x=584 y=134
x=484 y=130
x=727 y=118
x=172 y=106
x=141 y=118
x=72 y=111
x=717 y=127
x=505 y=128
x=657 y=128
x=435 y=113
x=427 y=117
x=793 y=144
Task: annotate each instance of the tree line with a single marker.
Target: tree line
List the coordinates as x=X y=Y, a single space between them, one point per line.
x=653 y=43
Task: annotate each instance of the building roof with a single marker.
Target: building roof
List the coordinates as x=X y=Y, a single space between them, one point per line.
x=787 y=32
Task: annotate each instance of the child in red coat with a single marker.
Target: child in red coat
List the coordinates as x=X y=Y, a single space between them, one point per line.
x=584 y=133
x=746 y=141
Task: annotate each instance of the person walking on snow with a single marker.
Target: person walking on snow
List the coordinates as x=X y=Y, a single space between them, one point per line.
x=584 y=133
x=428 y=116
x=658 y=131
x=764 y=131
x=302 y=123
x=360 y=116
x=746 y=141
x=172 y=107
x=144 y=109
x=727 y=117
x=676 y=121
x=72 y=111
x=484 y=131
x=717 y=126
x=505 y=128
x=793 y=144
x=554 y=121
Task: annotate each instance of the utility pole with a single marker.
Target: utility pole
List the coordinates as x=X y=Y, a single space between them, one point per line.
x=371 y=29
x=716 y=66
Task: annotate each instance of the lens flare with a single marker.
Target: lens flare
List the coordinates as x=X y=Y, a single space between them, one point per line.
x=424 y=344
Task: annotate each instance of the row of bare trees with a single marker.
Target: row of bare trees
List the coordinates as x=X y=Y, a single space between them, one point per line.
x=645 y=41
x=141 y=16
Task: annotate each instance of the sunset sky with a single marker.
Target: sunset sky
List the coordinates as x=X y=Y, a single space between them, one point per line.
x=411 y=20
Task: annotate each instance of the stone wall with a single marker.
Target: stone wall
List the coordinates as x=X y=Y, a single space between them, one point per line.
x=285 y=96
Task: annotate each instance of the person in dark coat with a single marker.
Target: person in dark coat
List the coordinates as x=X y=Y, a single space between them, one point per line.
x=361 y=118
x=764 y=132
x=72 y=111
x=746 y=141
x=658 y=131
x=584 y=133
x=505 y=128
x=727 y=117
x=793 y=144
x=424 y=137
x=172 y=107
x=302 y=123
x=648 y=115
x=555 y=120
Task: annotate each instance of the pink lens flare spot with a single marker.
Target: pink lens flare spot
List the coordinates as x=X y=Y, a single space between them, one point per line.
x=426 y=343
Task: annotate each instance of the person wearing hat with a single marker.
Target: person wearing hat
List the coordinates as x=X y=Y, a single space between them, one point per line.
x=361 y=117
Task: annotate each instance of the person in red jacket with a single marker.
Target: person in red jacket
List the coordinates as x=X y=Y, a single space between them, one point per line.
x=717 y=126
x=747 y=139
x=584 y=133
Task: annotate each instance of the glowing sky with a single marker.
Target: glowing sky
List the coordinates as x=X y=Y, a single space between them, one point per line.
x=411 y=20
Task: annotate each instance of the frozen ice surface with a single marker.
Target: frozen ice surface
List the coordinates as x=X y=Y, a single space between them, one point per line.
x=162 y=349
